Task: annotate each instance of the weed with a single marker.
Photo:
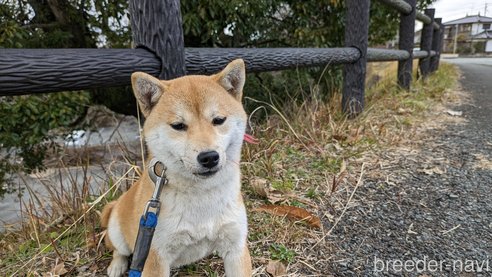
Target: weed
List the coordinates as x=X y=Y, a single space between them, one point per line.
x=327 y=163
x=281 y=253
x=296 y=203
x=283 y=185
x=312 y=193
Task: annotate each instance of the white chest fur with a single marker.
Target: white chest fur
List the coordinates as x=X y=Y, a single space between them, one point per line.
x=197 y=221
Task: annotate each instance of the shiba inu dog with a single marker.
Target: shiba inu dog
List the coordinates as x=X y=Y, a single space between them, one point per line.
x=195 y=126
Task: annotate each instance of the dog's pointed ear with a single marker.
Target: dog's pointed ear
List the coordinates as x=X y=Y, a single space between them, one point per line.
x=147 y=90
x=232 y=78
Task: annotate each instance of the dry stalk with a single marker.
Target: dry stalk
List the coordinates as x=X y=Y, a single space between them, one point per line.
x=101 y=197
x=283 y=118
x=344 y=209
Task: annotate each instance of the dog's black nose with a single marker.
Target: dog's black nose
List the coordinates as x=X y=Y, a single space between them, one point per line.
x=208 y=159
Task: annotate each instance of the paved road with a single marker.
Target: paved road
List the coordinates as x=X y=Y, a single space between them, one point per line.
x=477 y=78
x=436 y=209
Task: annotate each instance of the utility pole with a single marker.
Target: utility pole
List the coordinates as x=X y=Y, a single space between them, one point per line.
x=485 y=10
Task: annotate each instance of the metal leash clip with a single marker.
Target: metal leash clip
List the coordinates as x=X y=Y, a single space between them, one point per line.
x=160 y=181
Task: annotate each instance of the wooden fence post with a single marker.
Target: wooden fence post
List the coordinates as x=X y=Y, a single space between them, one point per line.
x=406 y=42
x=426 y=43
x=354 y=74
x=436 y=46
x=441 y=43
x=157 y=27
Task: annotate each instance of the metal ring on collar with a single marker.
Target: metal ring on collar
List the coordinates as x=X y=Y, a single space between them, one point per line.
x=152 y=170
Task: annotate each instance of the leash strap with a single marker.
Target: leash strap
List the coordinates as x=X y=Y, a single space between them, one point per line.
x=148 y=222
x=142 y=245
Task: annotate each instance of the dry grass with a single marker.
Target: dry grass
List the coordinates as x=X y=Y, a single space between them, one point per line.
x=310 y=156
x=482 y=162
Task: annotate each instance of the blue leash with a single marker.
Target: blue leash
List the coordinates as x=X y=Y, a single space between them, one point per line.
x=148 y=222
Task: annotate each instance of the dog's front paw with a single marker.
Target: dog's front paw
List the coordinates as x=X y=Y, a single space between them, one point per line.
x=118 y=266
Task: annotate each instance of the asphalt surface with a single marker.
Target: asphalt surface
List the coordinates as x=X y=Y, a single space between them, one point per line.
x=432 y=216
x=477 y=78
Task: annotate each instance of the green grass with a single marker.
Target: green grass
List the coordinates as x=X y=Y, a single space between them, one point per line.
x=281 y=253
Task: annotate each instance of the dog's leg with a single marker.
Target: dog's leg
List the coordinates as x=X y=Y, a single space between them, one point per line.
x=238 y=264
x=155 y=266
x=118 y=265
x=116 y=240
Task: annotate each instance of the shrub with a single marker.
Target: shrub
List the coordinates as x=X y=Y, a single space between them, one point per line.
x=26 y=124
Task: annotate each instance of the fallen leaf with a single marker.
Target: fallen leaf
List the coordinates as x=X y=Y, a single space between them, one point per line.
x=432 y=171
x=94 y=267
x=263 y=188
x=90 y=242
x=353 y=139
x=339 y=137
x=291 y=212
x=402 y=111
x=454 y=113
x=259 y=186
x=58 y=270
x=343 y=167
x=275 y=196
x=276 y=268
x=410 y=231
x=482 y=162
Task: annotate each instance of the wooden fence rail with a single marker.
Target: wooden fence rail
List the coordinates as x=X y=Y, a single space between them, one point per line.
x=406 y=7
x=158 y=35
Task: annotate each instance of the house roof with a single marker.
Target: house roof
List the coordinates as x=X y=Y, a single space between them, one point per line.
x=470 y=19
x=484 y=34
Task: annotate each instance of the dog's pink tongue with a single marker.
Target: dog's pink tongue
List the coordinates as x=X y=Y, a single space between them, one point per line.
x=251 y=139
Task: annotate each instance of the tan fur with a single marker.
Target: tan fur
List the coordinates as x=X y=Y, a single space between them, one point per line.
x=106 y=212
x=153 y=265
x=210 y=210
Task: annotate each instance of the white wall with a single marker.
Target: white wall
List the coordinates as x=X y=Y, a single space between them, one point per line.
x=488 y=46
x=476 y=28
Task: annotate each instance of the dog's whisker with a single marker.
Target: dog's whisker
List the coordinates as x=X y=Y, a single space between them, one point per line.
x=233 y=162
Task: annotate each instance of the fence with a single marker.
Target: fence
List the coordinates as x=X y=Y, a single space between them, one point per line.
x=158 y=37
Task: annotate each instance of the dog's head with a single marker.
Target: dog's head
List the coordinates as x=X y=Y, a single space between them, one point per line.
x=194 y=124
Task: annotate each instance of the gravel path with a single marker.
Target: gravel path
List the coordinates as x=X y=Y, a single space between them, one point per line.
x=432 y=215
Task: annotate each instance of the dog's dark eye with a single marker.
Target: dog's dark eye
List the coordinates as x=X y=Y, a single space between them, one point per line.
x=219 y=120
x=179 y=126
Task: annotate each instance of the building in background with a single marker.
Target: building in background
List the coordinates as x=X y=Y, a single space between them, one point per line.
x=468 y=35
